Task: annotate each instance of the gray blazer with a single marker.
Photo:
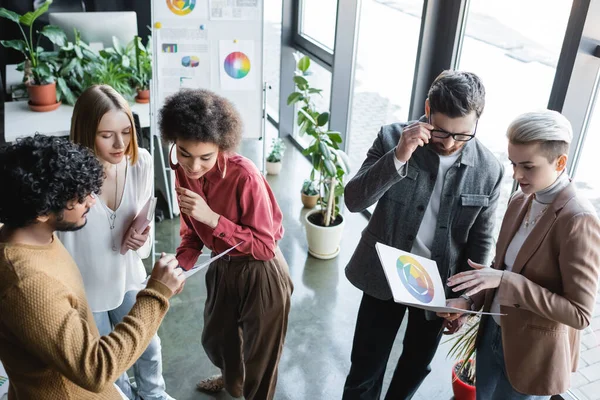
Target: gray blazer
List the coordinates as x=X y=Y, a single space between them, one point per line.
x=466 y=217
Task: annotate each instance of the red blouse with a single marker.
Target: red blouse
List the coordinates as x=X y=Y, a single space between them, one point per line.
x=236 y=190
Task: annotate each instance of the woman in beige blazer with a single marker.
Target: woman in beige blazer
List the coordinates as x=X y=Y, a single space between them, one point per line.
x=545 y=275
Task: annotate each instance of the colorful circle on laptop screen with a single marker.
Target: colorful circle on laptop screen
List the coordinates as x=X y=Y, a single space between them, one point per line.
x=181 y=7
x=415 y=279
x=237 y=65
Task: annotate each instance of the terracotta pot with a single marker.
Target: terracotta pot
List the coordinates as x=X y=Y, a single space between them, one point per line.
x=42 y=95
x=273 y=168
x=309 y=201
x=143 y=96
x=462 y=390
x=323 y=241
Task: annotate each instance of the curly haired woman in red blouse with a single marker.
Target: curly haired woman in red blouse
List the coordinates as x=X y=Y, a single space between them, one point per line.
x=225 y=200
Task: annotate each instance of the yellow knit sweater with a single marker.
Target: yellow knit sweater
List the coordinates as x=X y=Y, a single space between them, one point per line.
x=49 y=343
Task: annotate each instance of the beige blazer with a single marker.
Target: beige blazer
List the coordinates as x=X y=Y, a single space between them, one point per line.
x=549 y=296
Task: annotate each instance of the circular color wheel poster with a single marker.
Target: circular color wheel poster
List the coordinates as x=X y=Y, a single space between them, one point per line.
x=181 y=7
x=237 y=65
x=415 y=279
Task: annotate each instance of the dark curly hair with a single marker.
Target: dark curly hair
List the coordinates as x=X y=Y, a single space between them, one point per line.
x=456 y=94
x=40 y=175
x=201 y=115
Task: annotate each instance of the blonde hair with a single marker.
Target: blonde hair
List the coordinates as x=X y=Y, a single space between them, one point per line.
x=550 y=129
x=89 y=109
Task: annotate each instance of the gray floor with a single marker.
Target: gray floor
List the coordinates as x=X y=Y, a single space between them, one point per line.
x=316 y=358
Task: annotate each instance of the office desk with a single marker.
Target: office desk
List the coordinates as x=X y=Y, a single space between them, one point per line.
x=19 y=120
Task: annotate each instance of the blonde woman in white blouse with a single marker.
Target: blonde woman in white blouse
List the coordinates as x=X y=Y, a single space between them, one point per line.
x=545 y=275
x=102 y=121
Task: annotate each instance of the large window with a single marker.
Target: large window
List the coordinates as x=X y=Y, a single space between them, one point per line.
x=515 y=53
x=385 y=66
x=317 y=21
x=586 y=380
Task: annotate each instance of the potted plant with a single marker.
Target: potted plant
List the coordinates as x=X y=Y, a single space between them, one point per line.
x=72 y=62
x=38 y=69
x=330 y=164
x=309 y=193
x=463 y=350
x=142 y=71
x=275 y=156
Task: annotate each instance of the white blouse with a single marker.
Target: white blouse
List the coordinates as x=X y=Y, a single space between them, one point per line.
x=108 y=275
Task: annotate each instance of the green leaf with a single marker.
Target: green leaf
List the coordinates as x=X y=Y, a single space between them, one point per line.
x=78 y=52
x=304 y=64
x=335 y=136
x=293 y=98
x=300 y=80
x=329 y=167
x=43 y=70
x=308 y=116
x=303 y=128
x=322 y=119
x=13 y=16
x=125 y=61
x=30 y=17
x=314 y=91
x=117 y=45
x=67 y=68
x=325 y=151
x=66 y=91
x=16 y=44
x=344 y=157
x=55 y=34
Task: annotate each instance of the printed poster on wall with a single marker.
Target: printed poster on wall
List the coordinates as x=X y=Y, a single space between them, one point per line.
x=236 y=60
x=3 y=381
x=181 y=9
x=415 y=280
x=183 y=59
x=242 y=10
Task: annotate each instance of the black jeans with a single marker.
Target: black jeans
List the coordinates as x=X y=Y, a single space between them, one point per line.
x=376 y=328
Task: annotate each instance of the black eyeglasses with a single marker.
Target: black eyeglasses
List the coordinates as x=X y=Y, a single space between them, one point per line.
x=459 y=137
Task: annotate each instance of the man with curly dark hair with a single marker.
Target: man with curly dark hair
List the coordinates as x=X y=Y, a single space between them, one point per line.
x=51 y=347
x=225 y=201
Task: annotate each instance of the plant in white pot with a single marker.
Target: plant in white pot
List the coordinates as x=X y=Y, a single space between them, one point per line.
x=325 y=225
x=275 y=156
x=463 y=350
x=309 y=193
x=38 y=67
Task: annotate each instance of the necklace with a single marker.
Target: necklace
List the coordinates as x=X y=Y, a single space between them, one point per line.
x=112 y=215
x=532 y=222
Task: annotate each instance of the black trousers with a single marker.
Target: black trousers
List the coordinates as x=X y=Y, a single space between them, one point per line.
x=376 y=328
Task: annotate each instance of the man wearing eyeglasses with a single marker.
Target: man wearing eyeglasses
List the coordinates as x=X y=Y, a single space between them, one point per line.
x=436 y=188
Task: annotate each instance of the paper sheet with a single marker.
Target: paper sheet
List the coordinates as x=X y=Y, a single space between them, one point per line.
x=415 y=280
x=240 y=10
x=238 y=71
x=199 y=267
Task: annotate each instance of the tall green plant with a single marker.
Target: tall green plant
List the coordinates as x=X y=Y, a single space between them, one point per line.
x=143 y=63
x=38 y=68
x=329 y=163
x=73 y=61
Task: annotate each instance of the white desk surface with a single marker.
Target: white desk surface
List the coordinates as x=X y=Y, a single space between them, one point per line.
x=20 y=121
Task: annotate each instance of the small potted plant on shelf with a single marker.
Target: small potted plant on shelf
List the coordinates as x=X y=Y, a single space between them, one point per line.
x=463 y=350
x=310 y=193
x=142 y=71
x=38 y=69
x=275 y=156
x=325 y=225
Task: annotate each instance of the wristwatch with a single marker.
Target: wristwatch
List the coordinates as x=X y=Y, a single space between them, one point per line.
x=468 y=299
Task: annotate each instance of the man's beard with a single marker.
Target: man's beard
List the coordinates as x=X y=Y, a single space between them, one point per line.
x=66 y=226
x=446 y=152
